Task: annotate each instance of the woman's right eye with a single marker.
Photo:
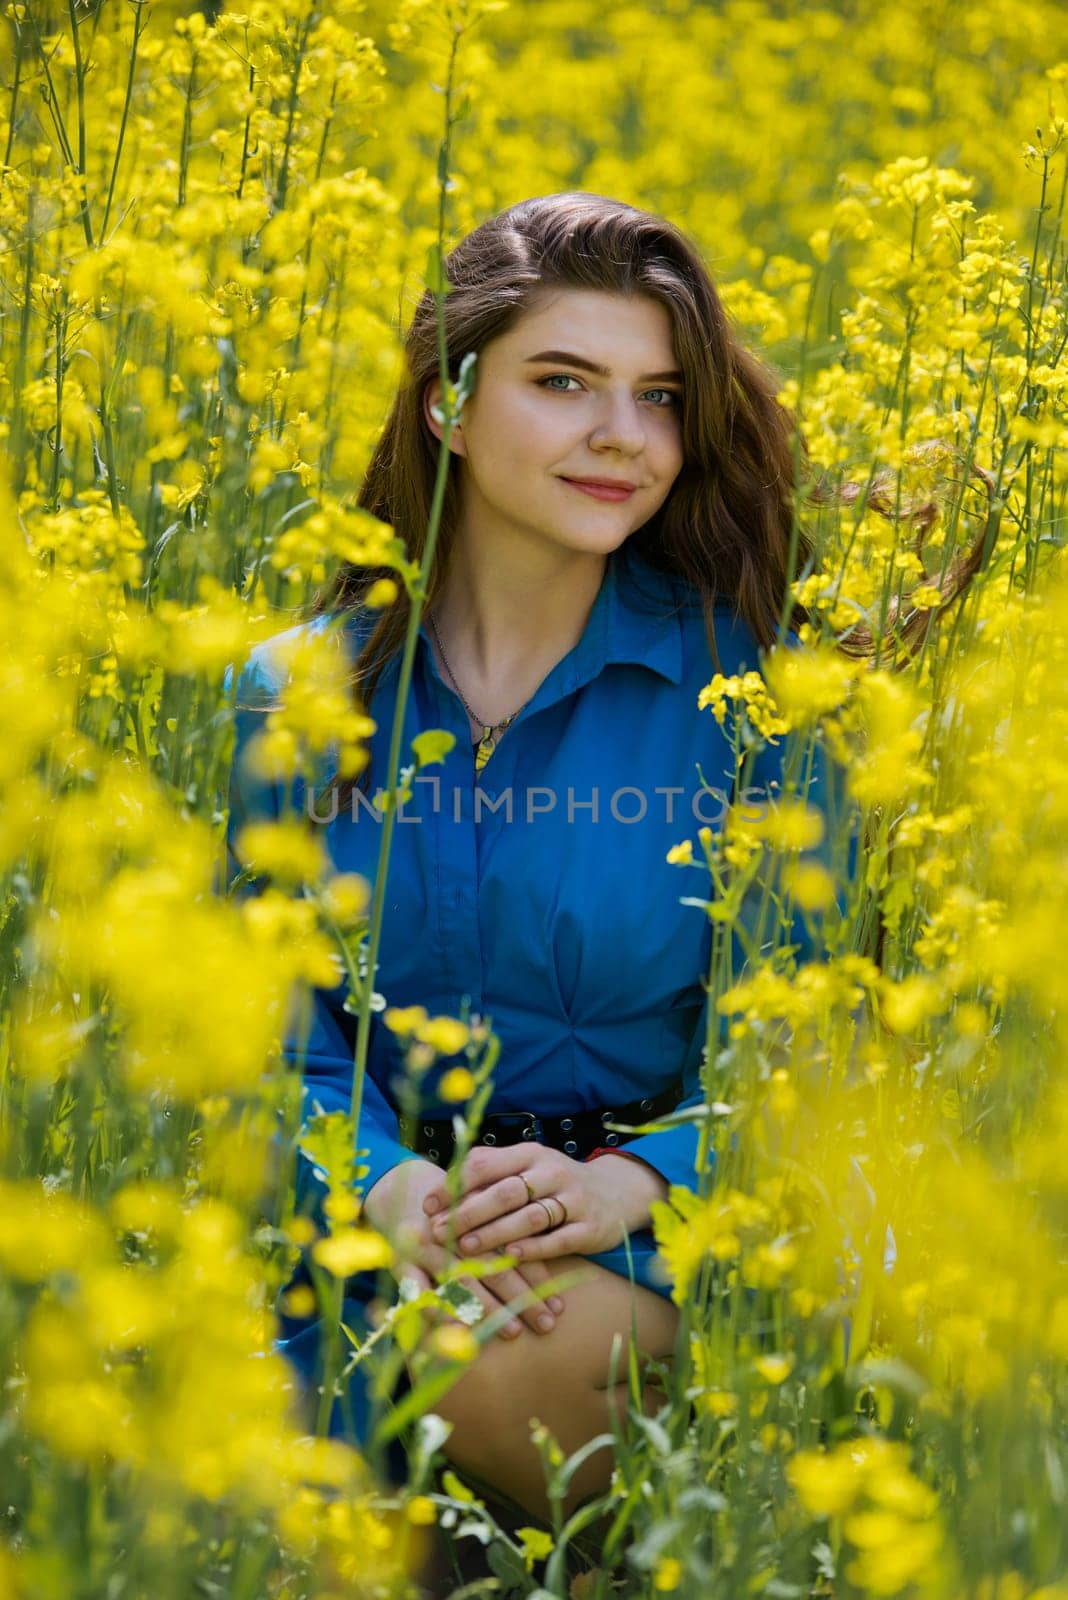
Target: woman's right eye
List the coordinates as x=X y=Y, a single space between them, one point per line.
x=565 y=376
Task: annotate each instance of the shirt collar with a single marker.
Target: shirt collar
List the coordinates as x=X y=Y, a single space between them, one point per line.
x=634 y=621
x=641 y=616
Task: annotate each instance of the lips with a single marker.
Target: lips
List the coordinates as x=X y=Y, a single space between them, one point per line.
x=603 y=488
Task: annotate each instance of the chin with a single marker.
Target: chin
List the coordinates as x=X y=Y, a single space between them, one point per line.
x=597 y=545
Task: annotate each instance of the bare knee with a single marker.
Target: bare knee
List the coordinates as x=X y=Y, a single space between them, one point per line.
x=566 y=1379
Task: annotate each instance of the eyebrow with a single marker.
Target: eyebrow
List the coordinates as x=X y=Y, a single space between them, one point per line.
x=571 y=360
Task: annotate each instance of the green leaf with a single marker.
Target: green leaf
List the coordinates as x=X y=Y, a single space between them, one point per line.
x=463 y=1301
x=507 y=1565
x=416 y=1402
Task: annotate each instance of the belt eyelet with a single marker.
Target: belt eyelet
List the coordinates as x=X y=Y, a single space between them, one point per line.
x=489 y=1138
x=566 y=1124
x=646 y=1105
x=611 y=1138
x=528 y=1133
x=432 y=1154
x=428 y=1133
x=570 y=1147
x=607 y=1117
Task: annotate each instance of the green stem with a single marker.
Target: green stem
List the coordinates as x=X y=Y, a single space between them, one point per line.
x=79 y=75
x=138 y=28
x=15 y=82
x=363 y=1030
x=18 y=425
x=57 y=444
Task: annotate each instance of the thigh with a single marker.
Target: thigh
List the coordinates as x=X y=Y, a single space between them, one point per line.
x=600 y=1309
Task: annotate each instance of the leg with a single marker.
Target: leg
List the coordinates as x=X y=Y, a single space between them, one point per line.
x=564 y=1380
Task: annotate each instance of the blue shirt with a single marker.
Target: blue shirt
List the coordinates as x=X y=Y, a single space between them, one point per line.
x=539 y=890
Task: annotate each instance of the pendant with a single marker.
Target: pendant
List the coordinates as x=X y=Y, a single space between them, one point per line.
x=485 y=749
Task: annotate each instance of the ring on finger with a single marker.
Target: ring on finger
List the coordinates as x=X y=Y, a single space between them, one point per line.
x=531 y=1196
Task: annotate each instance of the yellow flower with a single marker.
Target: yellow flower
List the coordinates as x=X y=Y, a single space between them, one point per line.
x=811 y=885
x=286 y=850
x=346 y=897
x=907 y=1005
x=404 y=1020
x=421 y=1510
x=352 y=1250
x=454 y=1342
x=751 y=692
x=774 y=1369
x=681 y=855
x=808 y=683
x=300 y=1301
x=667 y=1574
x=826 y=1483
x=537 y=1545
x=456 y=1084
x=382 y=593
x=788 y=824
x=896 y=1553
x=446 y=1035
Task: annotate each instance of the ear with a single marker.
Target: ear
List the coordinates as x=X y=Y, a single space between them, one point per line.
x=432 y=397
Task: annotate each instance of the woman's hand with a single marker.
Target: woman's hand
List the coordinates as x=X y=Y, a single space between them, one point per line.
x=502 y=1188
x=394 y=1208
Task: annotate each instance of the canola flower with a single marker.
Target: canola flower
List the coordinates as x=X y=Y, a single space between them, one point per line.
x=210 y=225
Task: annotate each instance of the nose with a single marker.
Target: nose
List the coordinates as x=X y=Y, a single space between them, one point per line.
x=620 y=426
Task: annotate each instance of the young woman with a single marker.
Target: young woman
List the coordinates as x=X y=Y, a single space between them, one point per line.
x=617 y=527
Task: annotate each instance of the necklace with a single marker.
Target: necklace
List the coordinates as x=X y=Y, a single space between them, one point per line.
x=487 y=743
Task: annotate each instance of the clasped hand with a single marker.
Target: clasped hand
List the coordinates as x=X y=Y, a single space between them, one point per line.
x=493 y=1215
x=499 y=1205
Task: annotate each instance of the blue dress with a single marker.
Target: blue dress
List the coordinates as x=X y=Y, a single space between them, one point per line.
x=537 y=892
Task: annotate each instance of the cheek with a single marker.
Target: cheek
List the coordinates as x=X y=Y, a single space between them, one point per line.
x=667 y=453
x=520 y=431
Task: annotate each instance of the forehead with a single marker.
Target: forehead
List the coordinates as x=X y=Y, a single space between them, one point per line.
x=605 y=327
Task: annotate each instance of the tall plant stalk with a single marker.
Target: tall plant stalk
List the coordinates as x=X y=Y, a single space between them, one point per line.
x=452 y=402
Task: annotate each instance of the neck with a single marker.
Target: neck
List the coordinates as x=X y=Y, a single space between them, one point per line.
x=506 y=620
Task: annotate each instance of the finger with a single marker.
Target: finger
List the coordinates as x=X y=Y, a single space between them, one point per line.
x=512 y=1288
x=482 y=1167
x=487 y=1164
x=438 y=1260
x=483 y=1206
x=537 y=1274
x=527 y=1221
x=571 y=1238
x=511 y=1327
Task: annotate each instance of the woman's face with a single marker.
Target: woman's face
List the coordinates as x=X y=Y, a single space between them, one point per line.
x=584 y=386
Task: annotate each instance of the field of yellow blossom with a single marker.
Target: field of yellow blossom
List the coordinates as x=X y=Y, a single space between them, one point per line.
x=214 y=223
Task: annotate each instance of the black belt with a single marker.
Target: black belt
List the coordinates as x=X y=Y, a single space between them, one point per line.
x=576 y=1134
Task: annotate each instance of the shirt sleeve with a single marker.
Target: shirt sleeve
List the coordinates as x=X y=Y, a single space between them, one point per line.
x=673 y=1151
x=329 y=1047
